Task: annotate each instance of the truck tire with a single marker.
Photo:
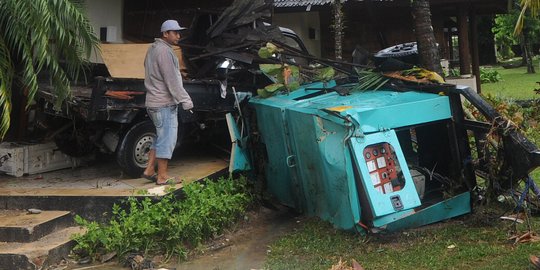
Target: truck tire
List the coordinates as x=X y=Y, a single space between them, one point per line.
x=132 y=152
x=406 y=52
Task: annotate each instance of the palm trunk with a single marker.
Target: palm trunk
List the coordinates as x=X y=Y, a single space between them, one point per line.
x=527 y=55
x=338 y=28
x=425 y=37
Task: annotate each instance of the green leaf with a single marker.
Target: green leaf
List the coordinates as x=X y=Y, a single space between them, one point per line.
x=264 y=53
x=295 y=71
x=272 y=48
x=294 y=86
x=62 y=40
x=271 y=69
x=263 y=93
x=274 y=87
x=325 y=74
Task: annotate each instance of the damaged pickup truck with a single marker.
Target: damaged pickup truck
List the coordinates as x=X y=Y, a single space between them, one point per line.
x=219 y=72
x=382 y=160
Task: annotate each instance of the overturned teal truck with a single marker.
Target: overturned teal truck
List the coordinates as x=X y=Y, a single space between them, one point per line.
x=379 y=160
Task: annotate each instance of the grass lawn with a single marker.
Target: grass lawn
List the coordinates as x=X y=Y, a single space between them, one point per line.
x=466 y=243
x=515 y=83
x=475 y=241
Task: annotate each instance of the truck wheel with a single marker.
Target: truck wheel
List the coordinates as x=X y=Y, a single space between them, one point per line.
x=132 y=153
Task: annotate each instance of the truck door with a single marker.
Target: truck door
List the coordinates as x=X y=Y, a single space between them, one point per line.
x=387 y=185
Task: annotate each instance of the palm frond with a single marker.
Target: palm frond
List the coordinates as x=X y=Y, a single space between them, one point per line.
x=52 y=35
x=369 y=80
x=533 y=6
x=6 y=77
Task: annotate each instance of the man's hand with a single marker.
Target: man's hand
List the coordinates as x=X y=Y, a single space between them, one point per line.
x=187 y=105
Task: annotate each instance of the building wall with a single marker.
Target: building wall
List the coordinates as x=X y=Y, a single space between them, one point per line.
x=303 y=23
x=106 y=13
x=109 y=14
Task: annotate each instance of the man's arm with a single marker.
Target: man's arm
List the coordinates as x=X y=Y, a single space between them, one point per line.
x=172 y=79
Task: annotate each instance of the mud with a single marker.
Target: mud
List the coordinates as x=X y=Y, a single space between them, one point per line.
x=244 y=246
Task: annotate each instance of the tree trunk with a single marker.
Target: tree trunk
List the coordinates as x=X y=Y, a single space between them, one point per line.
x=428 y=51
x=338 y=28
x=527 y=54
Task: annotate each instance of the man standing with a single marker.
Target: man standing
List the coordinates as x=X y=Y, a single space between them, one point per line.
x=164 y=92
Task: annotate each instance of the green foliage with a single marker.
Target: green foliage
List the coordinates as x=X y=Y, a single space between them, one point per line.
x=272 y=70
x=325 y=74
x=489 y=75
x=170 y=226
x=36 y=35
x=528 y=7
x=504 y=29
x=454 y=72
x=269 y=50
x=369 y=80
x=527 y=119
x=285 y=77
x=477 y=241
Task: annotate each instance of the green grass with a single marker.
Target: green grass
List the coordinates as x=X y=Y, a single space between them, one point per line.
x=516 y=83
x=480 y=242
x=318 y=246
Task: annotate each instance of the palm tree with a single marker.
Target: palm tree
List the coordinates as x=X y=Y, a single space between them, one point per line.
x=533 y=6
x=338 y=26
x=425 y=38
x=521 y=30
x=37 y=35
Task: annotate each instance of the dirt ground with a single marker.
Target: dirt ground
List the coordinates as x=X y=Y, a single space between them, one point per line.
x=246 y=245
x=243 y=246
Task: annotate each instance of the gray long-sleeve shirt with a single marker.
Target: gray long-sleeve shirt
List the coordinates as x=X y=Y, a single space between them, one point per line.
x=162 y=78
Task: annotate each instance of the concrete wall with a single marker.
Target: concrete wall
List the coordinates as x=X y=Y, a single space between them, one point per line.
x=106 y=13
x=301 y=22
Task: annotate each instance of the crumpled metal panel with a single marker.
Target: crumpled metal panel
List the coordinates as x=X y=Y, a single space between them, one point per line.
x=313 y=164
x=301 y=3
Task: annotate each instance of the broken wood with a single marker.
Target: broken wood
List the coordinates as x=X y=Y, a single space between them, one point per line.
x=127 y=95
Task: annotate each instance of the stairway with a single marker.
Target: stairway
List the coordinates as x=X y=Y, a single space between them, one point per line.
x=34 y=241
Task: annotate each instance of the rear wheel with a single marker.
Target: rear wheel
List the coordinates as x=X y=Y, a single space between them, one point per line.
x=132 y=153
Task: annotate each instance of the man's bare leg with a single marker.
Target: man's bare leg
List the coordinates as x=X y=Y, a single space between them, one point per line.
x=151 y=167
x=162 y=170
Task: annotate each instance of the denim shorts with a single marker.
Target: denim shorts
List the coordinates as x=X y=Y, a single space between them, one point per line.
x=165 y=120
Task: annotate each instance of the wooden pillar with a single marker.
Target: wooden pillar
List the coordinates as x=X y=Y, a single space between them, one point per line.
x=474 y=50
x=463 y=34
x=450 y=45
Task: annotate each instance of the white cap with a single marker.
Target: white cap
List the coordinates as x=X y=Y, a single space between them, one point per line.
x=171 y=25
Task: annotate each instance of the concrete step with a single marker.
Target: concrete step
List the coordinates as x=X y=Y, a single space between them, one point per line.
x=38 y=254
x=20 y=226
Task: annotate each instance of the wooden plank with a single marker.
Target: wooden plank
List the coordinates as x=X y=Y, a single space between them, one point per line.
x=127 y=60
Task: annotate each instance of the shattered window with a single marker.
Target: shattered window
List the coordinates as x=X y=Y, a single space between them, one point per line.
x=384 y=169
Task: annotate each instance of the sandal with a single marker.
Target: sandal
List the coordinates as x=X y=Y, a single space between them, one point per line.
x=152 y=178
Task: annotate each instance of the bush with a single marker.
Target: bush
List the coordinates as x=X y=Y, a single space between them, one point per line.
x=488 y=75
x=168 y=226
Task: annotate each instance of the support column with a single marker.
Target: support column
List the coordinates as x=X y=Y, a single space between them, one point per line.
x=463 y=34
x=450 y=45
x=474 y=50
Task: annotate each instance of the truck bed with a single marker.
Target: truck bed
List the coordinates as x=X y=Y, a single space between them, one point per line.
x=120 y=100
